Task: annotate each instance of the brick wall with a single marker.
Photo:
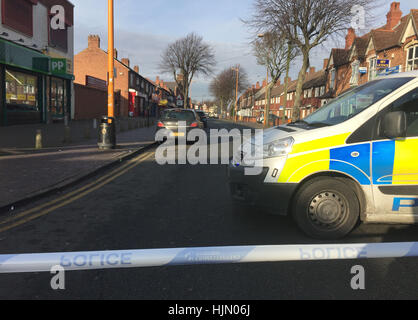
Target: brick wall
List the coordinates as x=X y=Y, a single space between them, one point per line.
x=93 y=61
x=90 y=103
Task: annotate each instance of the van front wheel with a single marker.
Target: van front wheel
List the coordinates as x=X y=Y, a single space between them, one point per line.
x=326 y=208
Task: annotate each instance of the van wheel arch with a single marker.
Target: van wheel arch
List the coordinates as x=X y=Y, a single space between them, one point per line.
x=356 y=187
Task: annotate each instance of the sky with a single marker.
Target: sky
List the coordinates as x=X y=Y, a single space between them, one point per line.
x=143 y=29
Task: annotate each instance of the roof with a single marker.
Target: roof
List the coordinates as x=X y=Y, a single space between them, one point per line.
x=361 y=44
x=317 y=79
x=340 y=56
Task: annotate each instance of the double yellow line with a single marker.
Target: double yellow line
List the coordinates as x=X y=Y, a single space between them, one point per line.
x=46 y=208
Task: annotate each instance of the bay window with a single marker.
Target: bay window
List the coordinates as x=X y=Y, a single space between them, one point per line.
x=412 y=59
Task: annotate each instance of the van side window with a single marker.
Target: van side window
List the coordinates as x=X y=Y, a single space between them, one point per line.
x=409 y=104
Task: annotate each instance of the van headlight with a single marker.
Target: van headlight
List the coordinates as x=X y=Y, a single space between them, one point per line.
x=278 y=148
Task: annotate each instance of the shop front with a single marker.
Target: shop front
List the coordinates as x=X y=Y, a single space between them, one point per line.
x=33 y=88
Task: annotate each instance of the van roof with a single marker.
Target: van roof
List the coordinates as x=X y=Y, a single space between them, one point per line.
x=411 y=74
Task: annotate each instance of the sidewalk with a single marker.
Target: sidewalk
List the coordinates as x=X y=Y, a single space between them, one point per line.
x=27 y=173
x=56 y=135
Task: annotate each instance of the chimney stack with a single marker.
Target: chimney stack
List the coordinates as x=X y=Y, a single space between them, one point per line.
x=157 y=81
x=312 y=70
x=136 y=69
x=257 y=86
x=126 y=62
x=349 y=39
x=264 y=83
x=394 y=16
x=93 y=41
x=115 y=53
x=326 y=63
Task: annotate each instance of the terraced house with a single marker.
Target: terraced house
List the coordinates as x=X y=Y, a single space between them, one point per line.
x=391 y=48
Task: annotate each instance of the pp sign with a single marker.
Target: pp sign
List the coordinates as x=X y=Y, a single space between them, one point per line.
x=58 y=66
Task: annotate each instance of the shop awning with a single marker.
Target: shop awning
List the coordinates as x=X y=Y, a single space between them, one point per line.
x=21 y=57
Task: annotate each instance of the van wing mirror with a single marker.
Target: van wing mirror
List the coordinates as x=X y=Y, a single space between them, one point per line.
x=394 y=125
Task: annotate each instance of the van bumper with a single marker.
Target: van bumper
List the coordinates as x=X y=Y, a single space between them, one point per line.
x=251 y=190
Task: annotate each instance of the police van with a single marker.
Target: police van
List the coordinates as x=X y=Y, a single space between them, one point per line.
x=355 y=159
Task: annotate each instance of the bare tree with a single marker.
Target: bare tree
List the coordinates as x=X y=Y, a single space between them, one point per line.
x=306 y=24
x=274 y=51
x=187 y=58
x=223 y=86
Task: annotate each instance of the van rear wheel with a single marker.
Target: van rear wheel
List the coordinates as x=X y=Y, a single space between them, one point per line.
x=326 y=208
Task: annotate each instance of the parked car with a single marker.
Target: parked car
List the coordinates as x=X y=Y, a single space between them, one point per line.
x=352 y=160
x=203 y=118
x=170 y=122
x=273 y=118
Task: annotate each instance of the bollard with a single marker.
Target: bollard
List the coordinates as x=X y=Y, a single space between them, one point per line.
x=107 y=134
x=38 y=139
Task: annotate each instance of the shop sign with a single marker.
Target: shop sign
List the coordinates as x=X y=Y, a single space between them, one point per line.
x=382 y=63
x=58 y=66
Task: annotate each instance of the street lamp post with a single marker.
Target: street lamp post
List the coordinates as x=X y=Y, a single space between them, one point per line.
x=107 y=132
x=111 y=60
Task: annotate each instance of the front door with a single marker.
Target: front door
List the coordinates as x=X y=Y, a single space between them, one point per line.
x=395 y=165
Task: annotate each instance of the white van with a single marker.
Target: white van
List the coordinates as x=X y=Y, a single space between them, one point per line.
x=355 y=158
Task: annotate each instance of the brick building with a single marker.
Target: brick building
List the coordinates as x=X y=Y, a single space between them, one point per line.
x=133 y=92
x=395 y=43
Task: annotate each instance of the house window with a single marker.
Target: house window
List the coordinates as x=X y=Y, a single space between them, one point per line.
x=18 y=15
x=322 y=90
x=332 y=84
x=355 y=73
x=372 y=69
x=412 y=59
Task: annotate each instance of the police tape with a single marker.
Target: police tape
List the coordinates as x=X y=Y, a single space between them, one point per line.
x=78 y=261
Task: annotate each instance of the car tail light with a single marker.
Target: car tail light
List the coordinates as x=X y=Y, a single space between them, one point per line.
x=160 y=124
x=194 y=125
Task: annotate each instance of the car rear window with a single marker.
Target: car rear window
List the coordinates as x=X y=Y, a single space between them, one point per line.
x=176 y=115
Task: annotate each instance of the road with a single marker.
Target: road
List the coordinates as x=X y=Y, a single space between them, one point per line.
x=152 y=206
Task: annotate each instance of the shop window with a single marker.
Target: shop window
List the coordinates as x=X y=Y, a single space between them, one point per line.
x=18 y=15
x=412 y=59
x=21 y=91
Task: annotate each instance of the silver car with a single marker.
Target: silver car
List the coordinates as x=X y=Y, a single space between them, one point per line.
x=178 y=122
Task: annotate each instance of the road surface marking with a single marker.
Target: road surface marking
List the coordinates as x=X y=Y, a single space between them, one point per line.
x=73 y=196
